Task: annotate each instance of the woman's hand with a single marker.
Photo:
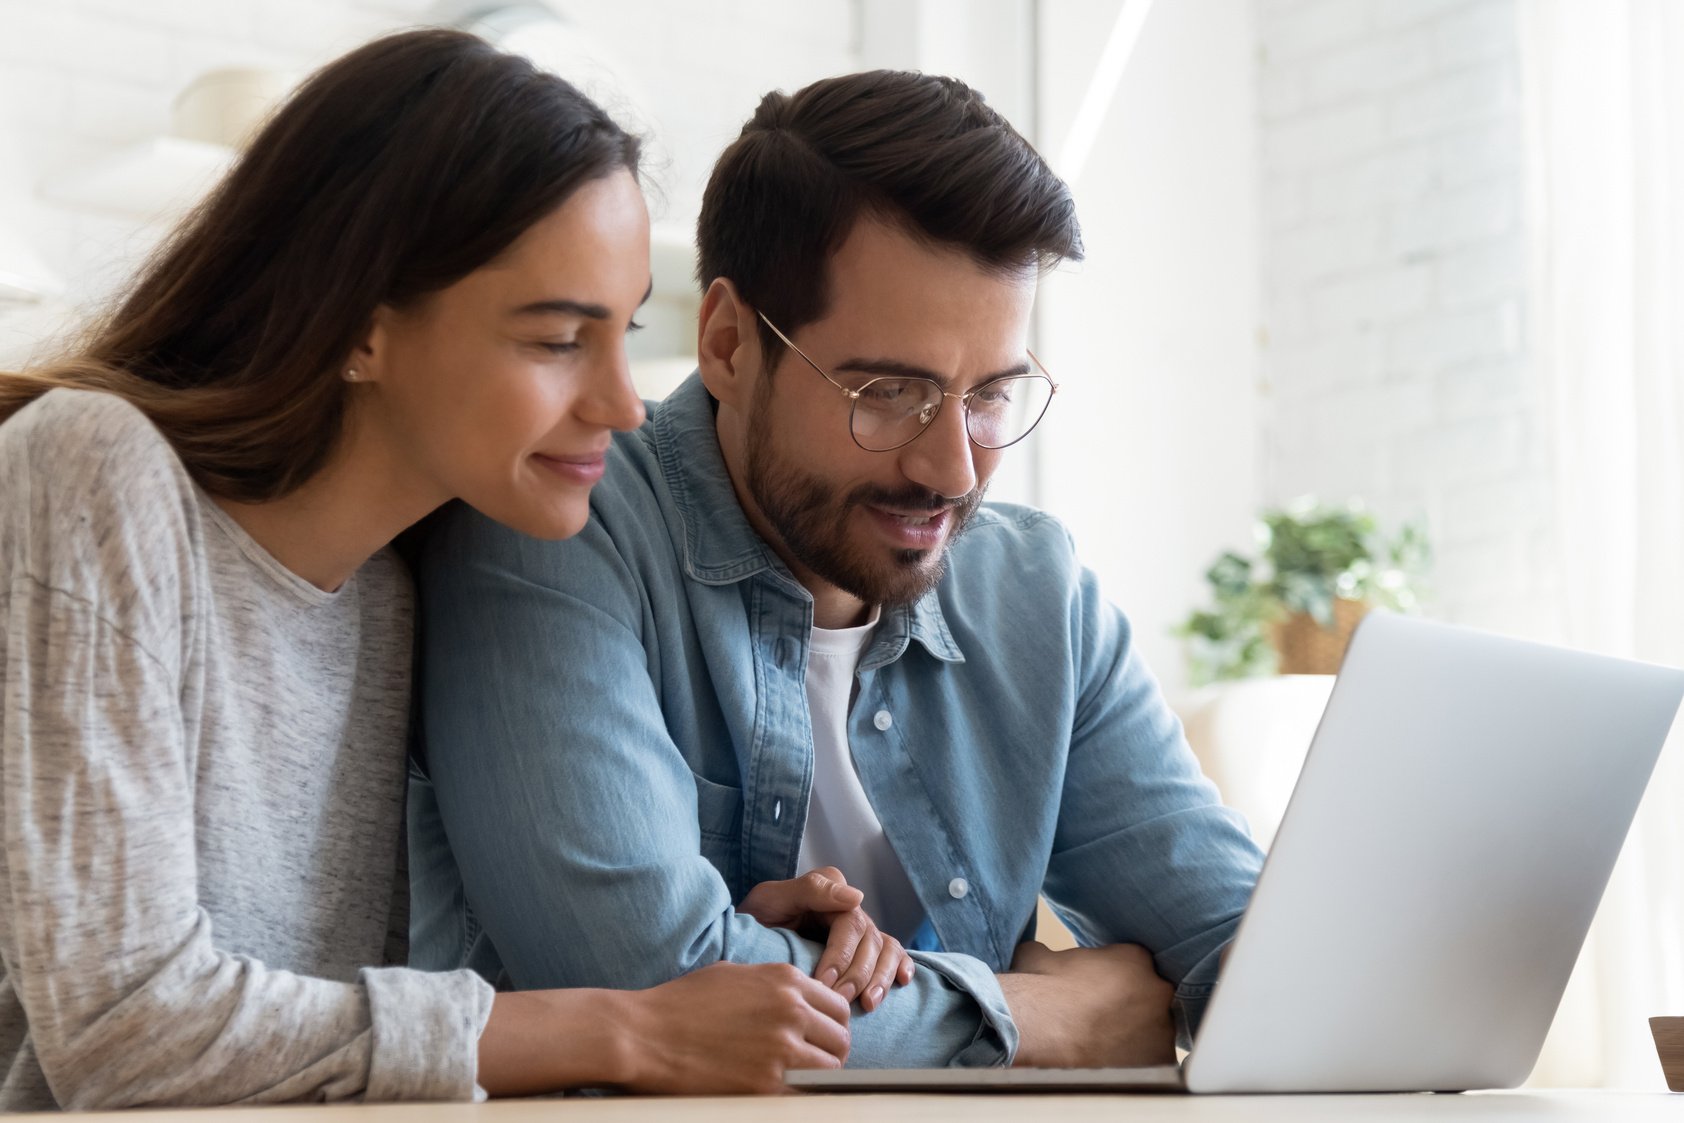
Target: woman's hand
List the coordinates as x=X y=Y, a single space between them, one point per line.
x=731 y=1028
x=859 y=961
x=728 y=1028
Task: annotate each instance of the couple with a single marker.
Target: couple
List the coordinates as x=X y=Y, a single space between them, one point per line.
x=759 y=645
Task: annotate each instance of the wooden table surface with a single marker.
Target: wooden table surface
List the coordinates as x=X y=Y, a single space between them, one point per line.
x=1550 y=1107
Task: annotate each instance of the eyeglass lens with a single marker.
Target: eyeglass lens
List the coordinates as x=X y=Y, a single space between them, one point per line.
x=889 y=412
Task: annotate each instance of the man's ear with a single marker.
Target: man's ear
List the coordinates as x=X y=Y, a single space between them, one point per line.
x=727 y=344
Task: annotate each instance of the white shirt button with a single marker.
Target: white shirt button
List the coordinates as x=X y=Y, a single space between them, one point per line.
x=882 y=720
x=957 y=888
x=778 y=811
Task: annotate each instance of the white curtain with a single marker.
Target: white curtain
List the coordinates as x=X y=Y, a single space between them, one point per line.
x=1605 y=97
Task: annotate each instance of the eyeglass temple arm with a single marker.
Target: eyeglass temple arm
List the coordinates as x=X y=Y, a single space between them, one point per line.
x=790 y=343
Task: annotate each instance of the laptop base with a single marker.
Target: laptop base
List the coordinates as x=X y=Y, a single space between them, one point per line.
x=1154 y=1078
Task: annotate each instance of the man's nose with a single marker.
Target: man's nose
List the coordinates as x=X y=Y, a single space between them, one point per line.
x=942 y=457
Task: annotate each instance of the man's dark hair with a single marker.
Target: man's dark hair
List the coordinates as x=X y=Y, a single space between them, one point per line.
x=916 y=150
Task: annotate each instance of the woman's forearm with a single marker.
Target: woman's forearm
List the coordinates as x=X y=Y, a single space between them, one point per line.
x=723 y=1029
x=546 y=1040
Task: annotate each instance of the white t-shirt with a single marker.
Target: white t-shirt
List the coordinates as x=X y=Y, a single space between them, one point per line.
x=842 y=828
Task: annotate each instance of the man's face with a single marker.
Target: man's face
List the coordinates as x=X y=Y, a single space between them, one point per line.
x=876 y=525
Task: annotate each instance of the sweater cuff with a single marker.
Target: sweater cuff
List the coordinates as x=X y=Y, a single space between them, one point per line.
x=425 y=1028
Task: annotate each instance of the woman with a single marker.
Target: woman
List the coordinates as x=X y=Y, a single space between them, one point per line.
x=414 y=287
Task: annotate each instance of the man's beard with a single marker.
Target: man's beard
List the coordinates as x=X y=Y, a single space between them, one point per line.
x=813 y=522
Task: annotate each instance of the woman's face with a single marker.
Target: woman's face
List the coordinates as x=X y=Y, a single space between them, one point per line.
x=503 y=389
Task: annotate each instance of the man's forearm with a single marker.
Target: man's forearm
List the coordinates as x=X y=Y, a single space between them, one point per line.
x=1089 y=1007
x=1026 y=1000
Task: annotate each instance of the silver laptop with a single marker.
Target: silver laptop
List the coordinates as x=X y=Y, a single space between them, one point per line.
x=1445 y=848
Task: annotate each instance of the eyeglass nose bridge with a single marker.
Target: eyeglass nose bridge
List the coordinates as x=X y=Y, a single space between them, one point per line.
x=927 y=415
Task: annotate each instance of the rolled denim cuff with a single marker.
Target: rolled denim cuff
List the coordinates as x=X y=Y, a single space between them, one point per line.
x=1193 y=995
x=993 y=1043
x=1189 y=1010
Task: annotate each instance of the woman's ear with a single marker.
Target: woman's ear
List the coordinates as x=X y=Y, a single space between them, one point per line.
x=369 y=358
x=727 y=344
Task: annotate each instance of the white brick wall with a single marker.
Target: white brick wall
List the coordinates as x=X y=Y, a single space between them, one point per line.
x=81 y=78
x=1394 y=286
x=1390 y=159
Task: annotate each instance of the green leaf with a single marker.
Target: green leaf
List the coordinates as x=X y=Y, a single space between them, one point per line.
x=1308 y=556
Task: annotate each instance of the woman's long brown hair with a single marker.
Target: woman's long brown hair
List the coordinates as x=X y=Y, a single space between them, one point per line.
x=390 y=174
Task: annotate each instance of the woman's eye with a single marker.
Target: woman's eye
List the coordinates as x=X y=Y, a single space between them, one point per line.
x=560 y=348
x=633 y=326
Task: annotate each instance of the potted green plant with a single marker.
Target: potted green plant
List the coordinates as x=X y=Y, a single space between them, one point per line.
x=1291 y=608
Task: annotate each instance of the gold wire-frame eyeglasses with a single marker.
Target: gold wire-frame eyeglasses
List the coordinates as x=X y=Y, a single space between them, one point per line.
x=902 y=408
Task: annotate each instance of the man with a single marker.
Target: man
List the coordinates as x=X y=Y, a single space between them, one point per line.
x=793 y=636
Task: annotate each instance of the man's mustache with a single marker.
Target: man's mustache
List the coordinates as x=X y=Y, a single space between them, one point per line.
x=912 y=499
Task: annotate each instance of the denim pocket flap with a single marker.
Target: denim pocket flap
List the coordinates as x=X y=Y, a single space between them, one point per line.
x=719 y=810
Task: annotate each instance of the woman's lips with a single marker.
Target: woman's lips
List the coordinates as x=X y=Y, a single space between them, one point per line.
x=584 y=470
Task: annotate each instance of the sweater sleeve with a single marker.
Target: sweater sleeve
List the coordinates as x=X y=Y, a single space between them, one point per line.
x=128 y=999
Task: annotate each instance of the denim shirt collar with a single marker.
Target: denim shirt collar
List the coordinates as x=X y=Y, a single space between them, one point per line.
x=922 y=620
x=720 y=547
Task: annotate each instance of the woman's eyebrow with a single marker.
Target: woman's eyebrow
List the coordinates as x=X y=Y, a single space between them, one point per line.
x=565 y=307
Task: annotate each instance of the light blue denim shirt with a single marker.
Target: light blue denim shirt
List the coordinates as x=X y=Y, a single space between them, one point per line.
x=616 y=732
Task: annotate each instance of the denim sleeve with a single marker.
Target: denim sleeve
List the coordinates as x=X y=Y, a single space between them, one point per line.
x=1144 y=851
x=572 y=814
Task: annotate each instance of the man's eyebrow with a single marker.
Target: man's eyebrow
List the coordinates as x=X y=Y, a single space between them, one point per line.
x=562 y=307
x=894 y=368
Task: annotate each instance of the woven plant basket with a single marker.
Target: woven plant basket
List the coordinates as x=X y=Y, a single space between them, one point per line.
x=1669 y=1043
x=1307 y=648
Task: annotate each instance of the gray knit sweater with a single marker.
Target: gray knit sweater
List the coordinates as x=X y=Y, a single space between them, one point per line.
x=201 y=787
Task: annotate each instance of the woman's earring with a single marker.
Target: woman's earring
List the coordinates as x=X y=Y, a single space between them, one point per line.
x=351 y=375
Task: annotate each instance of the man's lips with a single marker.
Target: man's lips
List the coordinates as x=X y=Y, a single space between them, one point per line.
x=909 y=529
x=917 y=515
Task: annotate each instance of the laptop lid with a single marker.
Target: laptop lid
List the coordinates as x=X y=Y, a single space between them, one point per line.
x=1438 y=866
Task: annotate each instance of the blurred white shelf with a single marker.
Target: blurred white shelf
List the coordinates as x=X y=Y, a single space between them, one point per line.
x=672 y=261
x=24 y=277
x=151 y=179
x=658 y=377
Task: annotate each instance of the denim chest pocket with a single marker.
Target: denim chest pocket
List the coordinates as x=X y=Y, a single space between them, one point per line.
x=719 y=815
